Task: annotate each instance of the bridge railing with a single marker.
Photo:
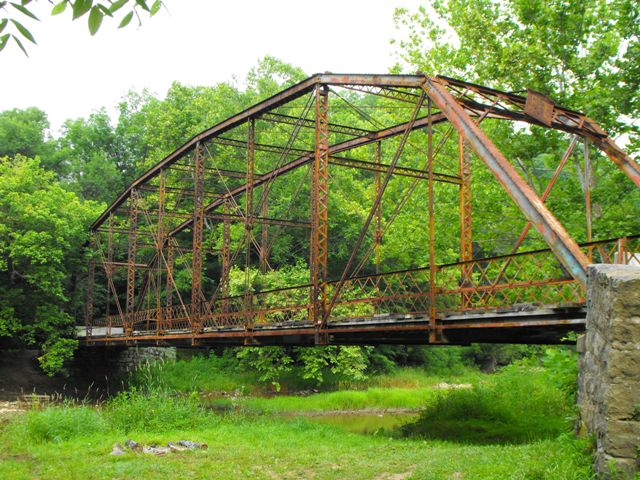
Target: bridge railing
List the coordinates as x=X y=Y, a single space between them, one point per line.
x=534 y=277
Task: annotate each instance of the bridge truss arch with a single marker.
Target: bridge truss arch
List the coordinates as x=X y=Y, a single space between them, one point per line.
x=169 y=252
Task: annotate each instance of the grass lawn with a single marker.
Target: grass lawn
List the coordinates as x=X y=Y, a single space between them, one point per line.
x=512 y=425
x=266 y=448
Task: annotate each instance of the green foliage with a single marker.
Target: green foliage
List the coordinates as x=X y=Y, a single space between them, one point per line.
x=581 y=53
x=42 y=230
x=519 y=404
x=24 y=132
x=561 y=364
x=345 y=363
x=270 y=362
x=59 y=423
x=79 y=8
x=199 y=374
x=154 y=411
x=65 y=441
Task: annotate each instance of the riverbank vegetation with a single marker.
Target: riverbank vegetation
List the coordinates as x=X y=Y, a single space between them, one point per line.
x=515 y=423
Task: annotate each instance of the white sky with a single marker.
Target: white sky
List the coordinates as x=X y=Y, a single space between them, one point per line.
x=197 y=42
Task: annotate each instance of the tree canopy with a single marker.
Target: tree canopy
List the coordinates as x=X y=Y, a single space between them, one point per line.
x=584 y=54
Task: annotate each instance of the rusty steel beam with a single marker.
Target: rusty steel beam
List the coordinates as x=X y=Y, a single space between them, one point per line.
x=91 y=276
x=308 y=123
x=560 y=242
x=466 y=219
x=169 y=284
x=398 y=170
x=109 y=271
x=233 y=217
x=248 y=221
x=225 y=257
x=564 y=119
x=433 y=336
x=264 y=238
x=197 y=231
x=619 y=157
x=131 y=259
x=260 y=147
x=159 y=246
x=319 y=208
x=270 y=103
x=218 y=171
x=377 y=228
x=386 y=92
x=336 y=148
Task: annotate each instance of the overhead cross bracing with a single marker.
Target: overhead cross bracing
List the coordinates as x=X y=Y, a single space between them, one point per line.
x=185 y=253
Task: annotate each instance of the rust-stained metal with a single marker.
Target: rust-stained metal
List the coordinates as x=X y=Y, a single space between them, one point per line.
x=248 y=224
x=196 y=253
x=159 y=247
x=433 y=334
x=540 y=107
x=264 y=238
x=551 y=230
x=91 y=276
x=587 y=189
x=160 y=221
x=466 y=224
x=131 y=259
x=319 y=209
x=377 y=229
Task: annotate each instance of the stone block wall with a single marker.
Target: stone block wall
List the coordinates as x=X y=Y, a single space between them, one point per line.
x=609 y=381
x=133 y=357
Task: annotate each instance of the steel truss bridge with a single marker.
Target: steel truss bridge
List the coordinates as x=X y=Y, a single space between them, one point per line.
x=176 y=256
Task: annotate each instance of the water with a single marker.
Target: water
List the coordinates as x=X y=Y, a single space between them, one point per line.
x=366 y=423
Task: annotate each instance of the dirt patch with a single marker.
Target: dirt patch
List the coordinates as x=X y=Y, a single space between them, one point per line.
x=364 y=411
x=10 y=408
x=452 y=386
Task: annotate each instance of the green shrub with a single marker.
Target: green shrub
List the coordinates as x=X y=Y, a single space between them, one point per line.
x=155 y=411
x=517 y=405
x=57 y=424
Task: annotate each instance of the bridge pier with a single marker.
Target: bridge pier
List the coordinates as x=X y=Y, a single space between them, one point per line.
x=119 y=360
x=609 y=379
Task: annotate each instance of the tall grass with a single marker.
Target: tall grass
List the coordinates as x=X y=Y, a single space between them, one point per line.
x=517 y=405
x=57 y=423
x=202 y=374
x=220 y=375
x=155 y=411
x=130 y=411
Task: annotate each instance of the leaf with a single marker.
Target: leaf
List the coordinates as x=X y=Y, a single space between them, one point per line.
x=20 y=45
x=155 y=8
x=80 y=7
x=95 y=20
x=104 y=10
x=3 y=24
x=25 y=33
x=143 y=5
x=24 y=10
x=126 y=20
x=3 y=41
x=59 y=8
x=117 y=5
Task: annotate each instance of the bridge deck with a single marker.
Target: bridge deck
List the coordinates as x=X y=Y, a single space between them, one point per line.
x=517 y=324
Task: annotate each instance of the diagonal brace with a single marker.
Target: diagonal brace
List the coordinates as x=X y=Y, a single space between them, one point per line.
x=561 y=243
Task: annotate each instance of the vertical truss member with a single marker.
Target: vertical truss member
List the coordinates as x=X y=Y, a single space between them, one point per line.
x=198 y=225
x=131 y=263
x=319 y=216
